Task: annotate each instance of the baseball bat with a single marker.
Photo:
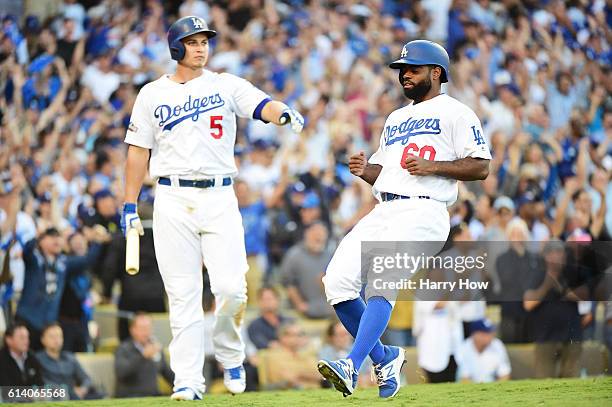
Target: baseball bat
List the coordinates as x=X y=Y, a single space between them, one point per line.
x=132 y=252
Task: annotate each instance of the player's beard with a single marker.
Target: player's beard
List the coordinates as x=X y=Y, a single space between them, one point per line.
x=418 y=90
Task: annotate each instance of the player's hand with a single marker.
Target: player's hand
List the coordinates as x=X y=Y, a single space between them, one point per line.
x=293 y=117
x=130 y=219
x=357 y=163
x=419 y=166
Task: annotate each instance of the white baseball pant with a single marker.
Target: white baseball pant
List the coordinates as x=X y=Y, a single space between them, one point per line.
x=192 y=226
x=410 y=220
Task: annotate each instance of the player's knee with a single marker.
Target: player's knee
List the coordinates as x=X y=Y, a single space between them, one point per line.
x=231 y=307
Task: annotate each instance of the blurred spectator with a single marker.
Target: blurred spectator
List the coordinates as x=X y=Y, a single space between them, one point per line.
x=493 y=238
x=497 y=221
x=557 y=322
x=194 y=8
x=76 y=305
x=139 y=360
x=100 y=78
x=484 y=215
x=482 y=358
x=18 y=365
x=71 y=45
x=61 y=368
x=438 y=332
x=583 y=219
x=291 y=365
x=516 y=268
x=562 y=98
x=302 y=270
x=399 y=329
x=47 y=269
x=263 y=331
x=16 y=226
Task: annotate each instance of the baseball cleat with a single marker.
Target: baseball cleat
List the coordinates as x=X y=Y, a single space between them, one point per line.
x=184 y=394
x=387 y=372
x=235 y=379
x=340 y=373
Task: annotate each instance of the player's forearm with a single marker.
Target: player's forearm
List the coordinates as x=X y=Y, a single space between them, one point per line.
x=464 y=169
x=272 y=112
x=135 y=172
x=370 y=173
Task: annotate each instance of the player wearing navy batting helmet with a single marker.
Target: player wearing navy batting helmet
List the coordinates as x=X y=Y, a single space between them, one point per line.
x=182 y=132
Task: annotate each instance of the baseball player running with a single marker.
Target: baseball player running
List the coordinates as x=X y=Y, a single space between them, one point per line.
x=183 y=127
x=425 y=147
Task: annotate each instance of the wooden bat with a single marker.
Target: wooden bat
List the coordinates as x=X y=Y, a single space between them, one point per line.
x=132 y=252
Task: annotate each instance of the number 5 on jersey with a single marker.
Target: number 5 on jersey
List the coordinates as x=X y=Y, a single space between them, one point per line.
x=216 y=130
x=413 y=149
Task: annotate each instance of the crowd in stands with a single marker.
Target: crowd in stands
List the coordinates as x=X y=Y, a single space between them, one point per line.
x=536 y=72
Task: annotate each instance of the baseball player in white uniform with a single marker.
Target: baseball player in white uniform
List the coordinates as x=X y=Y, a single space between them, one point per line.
x=183 y=128
x=425 y=147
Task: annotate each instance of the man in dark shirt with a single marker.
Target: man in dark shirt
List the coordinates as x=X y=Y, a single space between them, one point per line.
x=139 y=360
x=18 y=366
x=68 y=44
x=263 y=331
x=61 y=368
x=552 y=302
x=515 y=268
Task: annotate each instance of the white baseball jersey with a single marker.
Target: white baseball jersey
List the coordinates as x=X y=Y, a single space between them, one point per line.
x=191 y=127
x=439 y=129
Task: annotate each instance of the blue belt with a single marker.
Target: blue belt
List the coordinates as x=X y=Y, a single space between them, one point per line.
x=387 y=196
x=200 y=183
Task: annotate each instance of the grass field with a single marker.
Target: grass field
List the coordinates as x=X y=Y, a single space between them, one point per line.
x=590 y=392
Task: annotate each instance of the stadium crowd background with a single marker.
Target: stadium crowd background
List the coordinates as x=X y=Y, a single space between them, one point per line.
x=536 y=72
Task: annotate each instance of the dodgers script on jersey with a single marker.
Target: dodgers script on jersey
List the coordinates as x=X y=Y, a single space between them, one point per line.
x=440 y=129
x=191 y=127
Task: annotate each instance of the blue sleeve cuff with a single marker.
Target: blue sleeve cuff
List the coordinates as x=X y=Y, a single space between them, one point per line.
x=129 y=207
x=259 y=109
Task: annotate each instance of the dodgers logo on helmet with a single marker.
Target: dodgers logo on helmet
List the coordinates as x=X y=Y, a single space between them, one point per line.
x=197 y=22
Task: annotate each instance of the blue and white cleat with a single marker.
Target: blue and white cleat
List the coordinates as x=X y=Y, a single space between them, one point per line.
x=235 y=379
x=387 y=372
x=340 y=373
x=185 y=393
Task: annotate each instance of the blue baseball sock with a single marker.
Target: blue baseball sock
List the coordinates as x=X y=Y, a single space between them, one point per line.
x=350 y=313
x=373 y=323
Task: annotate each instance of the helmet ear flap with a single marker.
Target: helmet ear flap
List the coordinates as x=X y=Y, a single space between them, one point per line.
x=177 y=50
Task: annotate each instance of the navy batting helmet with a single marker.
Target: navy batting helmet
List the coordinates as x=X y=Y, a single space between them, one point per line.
x=423 y=52
x=183 y=28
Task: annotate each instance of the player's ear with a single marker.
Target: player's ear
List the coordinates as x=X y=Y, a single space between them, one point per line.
x=436 y=72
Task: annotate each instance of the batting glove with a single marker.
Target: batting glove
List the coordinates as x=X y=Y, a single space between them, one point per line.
x=130 y=219
x=294 y=117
